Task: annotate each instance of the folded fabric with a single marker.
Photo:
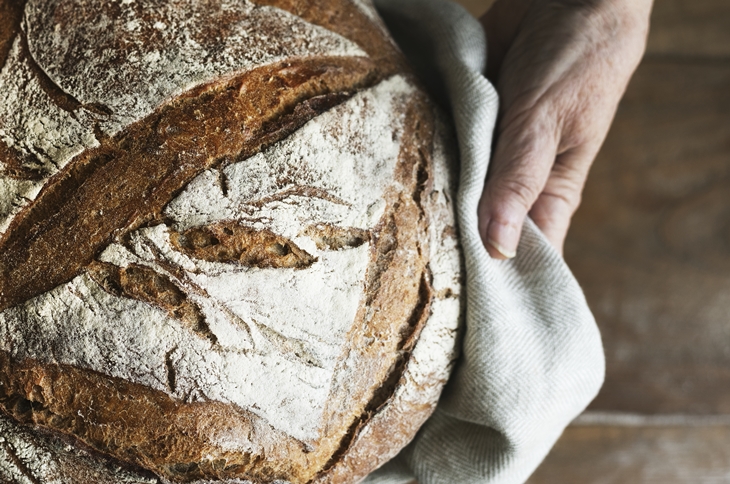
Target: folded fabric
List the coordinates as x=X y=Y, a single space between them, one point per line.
x=532 y=357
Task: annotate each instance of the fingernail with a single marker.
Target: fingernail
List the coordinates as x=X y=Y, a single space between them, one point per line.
x=504 y=238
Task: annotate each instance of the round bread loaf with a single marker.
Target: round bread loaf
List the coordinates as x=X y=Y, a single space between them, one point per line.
x=227 y=245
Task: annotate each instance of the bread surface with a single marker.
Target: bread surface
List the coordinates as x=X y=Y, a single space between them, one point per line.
x=227 y=246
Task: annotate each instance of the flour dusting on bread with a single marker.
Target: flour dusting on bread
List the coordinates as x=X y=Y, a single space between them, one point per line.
x=227 y=243
x=107 y=64
x=349 y=154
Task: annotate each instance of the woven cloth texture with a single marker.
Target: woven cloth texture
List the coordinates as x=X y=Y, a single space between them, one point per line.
x=531 y=357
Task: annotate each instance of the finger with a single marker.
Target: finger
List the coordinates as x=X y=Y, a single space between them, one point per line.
x=554 y=208
x=552 y=214
x=522 y=162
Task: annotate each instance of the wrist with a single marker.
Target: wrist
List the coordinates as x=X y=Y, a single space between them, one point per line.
x=621 y=24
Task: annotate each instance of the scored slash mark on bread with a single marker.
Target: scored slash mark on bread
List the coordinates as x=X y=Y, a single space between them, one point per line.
x=398 y=238
x=127 y=181
x=27 y=262
x=231 y=242
x=145 y=284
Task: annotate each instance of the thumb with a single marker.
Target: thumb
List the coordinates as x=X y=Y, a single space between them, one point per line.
x=524 y=156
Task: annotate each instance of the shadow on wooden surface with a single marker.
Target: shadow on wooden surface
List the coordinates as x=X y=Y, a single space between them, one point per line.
x=656 y=454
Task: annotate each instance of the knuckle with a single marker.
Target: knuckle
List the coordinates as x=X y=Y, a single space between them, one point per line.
x=564 y=192
x=552 y=213
x=570 y=175
x=576 y=132
x=524 y=191
x=570 y=200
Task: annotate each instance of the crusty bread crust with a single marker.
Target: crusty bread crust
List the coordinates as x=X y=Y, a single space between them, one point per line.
x=127 y=181
x=429 y=353
x=380 y=392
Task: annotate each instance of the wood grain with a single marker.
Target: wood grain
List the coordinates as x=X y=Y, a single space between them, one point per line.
x=685 y=28
x=651 y=243
x=694 y=28
x=642 y=454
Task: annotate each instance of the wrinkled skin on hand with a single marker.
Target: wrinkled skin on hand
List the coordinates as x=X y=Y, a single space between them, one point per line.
x=560 y=67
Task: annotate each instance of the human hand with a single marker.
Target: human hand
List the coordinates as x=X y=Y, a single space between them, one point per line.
x=560 y=67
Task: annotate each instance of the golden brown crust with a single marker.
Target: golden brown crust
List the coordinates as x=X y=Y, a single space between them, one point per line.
x=145 y=427
x=11 y=14
x=25 y=166
x=346 y=19
x=142 y=283
x=126 y=182
x=393 y=298
x=148 y=429
x=230 y=242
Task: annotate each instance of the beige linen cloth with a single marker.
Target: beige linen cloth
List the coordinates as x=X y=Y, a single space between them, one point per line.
x=532 y=358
